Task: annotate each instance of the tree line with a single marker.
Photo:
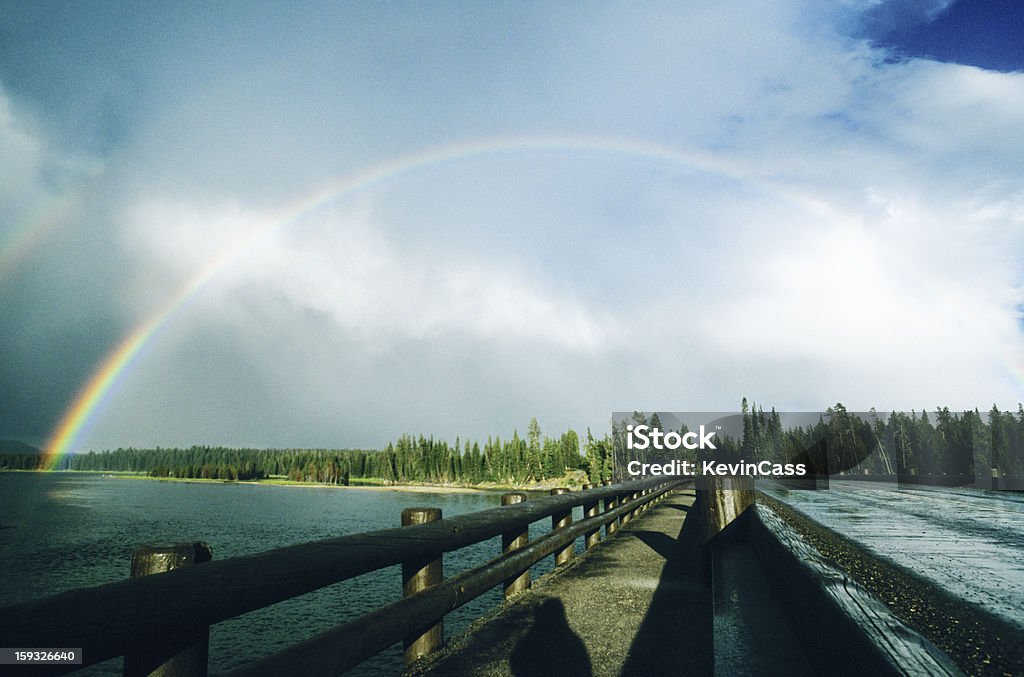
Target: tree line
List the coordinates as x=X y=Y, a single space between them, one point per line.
x=515 y=461
x=941 y=443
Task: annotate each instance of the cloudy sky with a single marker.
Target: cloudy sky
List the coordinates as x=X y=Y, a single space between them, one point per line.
x=328 y=225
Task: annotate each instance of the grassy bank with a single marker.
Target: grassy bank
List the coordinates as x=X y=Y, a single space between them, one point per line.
x=573 y=481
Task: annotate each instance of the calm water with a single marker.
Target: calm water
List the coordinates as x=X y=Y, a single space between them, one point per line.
x=68 y=530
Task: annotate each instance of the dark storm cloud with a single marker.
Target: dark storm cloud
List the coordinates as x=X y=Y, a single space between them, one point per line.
x=78 y=66
x=60 y=274
x=58 y=320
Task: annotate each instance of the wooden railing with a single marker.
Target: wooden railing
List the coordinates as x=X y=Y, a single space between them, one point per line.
x=152 y=619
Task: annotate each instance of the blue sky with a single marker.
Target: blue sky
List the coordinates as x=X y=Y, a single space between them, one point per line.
x=668 y=207
x=984 y=33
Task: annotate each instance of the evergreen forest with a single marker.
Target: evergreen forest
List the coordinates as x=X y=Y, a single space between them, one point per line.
x=942 y=443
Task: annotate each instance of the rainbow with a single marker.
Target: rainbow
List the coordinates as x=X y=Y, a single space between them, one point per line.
x=112 y=368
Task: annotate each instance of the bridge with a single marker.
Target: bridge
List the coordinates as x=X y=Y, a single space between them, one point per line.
x=674 y=578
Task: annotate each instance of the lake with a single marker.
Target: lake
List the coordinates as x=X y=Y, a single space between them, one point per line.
x=69 y=530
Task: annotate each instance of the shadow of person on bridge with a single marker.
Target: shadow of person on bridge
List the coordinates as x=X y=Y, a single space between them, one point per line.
x=676 y=636
x=550 y=647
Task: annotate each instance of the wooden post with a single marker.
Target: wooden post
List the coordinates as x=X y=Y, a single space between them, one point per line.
x=514 y=540
x=593 y=537
x=611 y=503
x=628 y=517
x=419 y=574
x=722 y=500
x=559 y=520
x=185 y=654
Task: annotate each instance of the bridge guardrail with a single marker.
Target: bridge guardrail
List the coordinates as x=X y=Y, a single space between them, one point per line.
x=153 y=618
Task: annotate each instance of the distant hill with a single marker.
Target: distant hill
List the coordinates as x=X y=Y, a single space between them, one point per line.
x=16 y=447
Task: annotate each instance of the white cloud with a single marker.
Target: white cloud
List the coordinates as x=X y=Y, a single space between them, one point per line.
x=338 y=264
x=862 y=243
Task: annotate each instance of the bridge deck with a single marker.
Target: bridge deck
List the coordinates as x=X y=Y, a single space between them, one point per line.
x=636 y=605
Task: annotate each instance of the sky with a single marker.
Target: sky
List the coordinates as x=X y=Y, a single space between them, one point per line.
x=328 y=224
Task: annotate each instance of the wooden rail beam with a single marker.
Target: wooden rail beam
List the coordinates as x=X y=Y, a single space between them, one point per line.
x=349 y=644
x=103 y=618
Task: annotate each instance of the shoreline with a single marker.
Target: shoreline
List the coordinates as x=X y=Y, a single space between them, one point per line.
x=280 y=482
